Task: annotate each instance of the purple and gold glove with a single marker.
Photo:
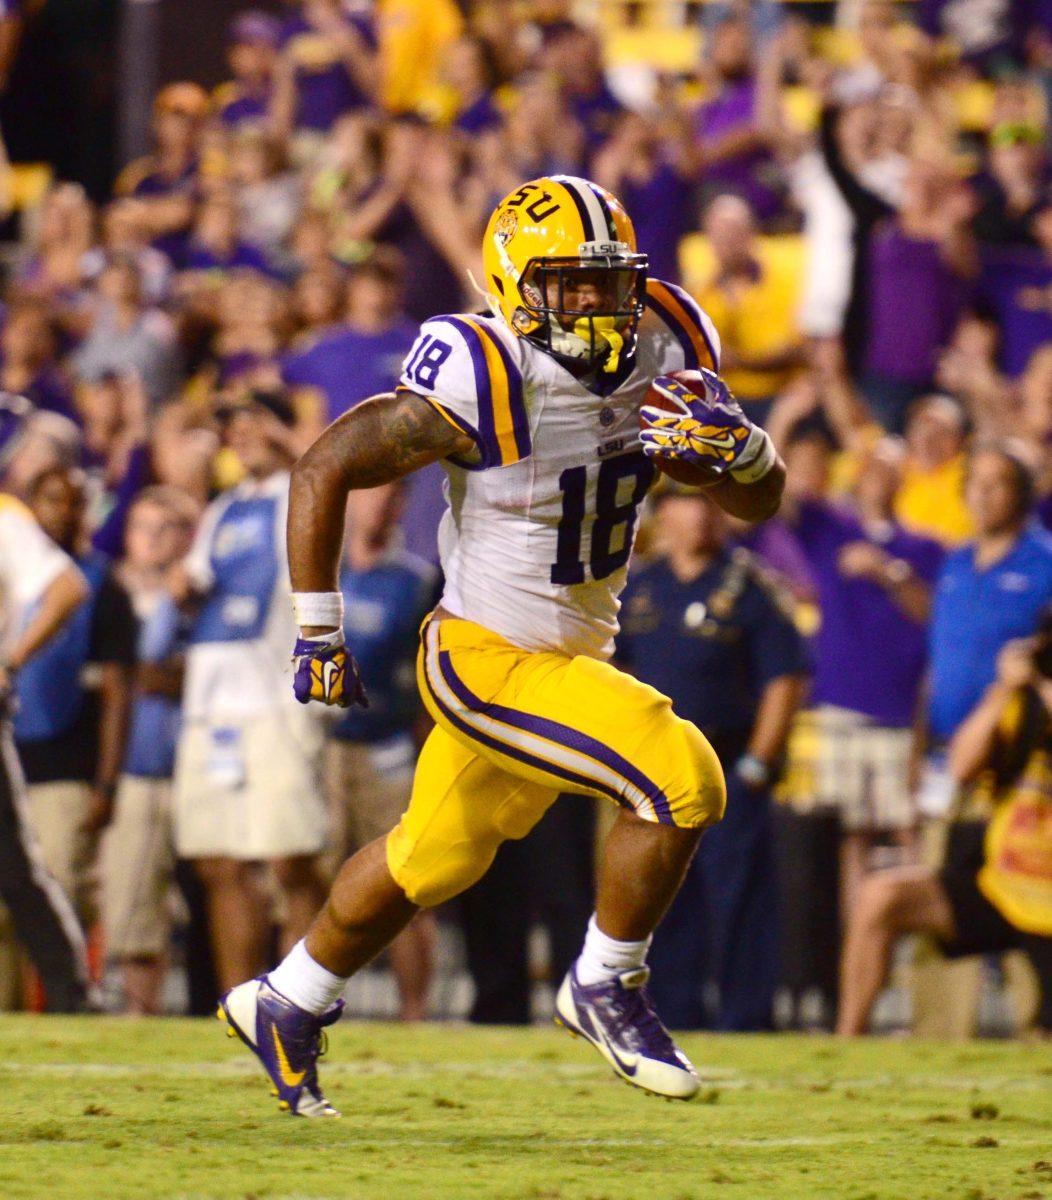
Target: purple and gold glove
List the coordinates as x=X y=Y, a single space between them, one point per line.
x=326 y=671
x=707 y=429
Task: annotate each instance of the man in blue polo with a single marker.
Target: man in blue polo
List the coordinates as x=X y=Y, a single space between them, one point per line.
x=707 y=627
x=990 y=591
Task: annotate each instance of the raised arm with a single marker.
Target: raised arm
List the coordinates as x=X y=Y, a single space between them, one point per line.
x=972 y=747
x=380 y=440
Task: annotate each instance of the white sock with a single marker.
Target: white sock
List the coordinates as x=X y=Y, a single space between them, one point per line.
x=604 y=958
x=306 y=983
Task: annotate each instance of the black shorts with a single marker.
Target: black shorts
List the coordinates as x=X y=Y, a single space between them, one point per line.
x=979 y=927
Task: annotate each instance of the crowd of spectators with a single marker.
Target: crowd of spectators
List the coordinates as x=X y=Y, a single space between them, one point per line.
x=859 y=194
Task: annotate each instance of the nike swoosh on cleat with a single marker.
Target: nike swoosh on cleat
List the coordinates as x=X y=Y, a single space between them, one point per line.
x=628 y=1067
x=289 y=1077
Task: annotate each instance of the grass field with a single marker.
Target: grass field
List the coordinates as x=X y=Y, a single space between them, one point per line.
x=113 y=1109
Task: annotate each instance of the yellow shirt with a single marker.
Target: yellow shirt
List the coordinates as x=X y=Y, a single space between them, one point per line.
x=756 y=318
x=413 y=35
x=932 y=502
x=1016 y=876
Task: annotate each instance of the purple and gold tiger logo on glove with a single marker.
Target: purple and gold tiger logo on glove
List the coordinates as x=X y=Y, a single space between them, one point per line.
x=324 y=670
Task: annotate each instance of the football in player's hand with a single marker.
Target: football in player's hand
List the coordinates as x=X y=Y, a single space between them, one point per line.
x=686 y=473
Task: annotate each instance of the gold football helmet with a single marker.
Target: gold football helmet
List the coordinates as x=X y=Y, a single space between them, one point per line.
x=561 y=265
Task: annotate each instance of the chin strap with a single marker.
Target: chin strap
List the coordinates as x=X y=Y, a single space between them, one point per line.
x=608 y=331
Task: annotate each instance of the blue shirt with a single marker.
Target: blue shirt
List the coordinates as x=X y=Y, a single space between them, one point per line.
x=383 y=609
x=238 y=662
x=49 y=689
x=711 y=645
x=347 y=366
x=155 y=720
x=975 y=612
x=57 y=723
x=243 y=568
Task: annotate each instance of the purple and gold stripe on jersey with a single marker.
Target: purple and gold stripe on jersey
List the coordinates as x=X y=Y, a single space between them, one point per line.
x=687 y=323
x=570 y=758
x=503 y=428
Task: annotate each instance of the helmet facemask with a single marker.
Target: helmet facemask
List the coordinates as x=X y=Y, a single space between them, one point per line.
x=585 y=309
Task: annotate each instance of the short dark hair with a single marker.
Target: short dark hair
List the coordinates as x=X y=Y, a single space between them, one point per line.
x=1013 y=453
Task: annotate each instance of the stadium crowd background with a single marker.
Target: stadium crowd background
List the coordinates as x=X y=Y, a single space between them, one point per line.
x=859 y=194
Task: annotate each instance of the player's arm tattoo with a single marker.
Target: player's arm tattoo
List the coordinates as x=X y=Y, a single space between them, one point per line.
x=377 y=442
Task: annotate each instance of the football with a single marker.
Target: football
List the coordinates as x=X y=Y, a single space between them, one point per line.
x=686 y=473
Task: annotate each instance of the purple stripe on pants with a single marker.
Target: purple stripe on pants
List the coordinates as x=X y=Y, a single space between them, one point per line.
x=563 y=735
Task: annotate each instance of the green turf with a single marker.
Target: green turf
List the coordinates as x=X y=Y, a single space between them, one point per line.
x=170 y=1109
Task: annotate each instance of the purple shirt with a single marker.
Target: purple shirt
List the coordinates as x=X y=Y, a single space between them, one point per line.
x=869 y=656
x=50 y=391
x=596 y=113
x=914 y=302
x=348 y=366
x=987 y=31
x=750 y=174
x=483 y=114
x=661 y=207
x=327 y=90
x=245 y=109
x=425 y=503
x=1006 y=272
x=776 y=543
x=433 y=286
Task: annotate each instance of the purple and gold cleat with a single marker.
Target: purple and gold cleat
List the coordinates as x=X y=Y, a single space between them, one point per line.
x=618 y=1019
x=286 y=1039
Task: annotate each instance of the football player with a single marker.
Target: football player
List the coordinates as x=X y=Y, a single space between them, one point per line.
x=535 y=411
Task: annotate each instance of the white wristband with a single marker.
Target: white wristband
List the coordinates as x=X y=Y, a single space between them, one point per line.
x=760 y=461
x=318 y=609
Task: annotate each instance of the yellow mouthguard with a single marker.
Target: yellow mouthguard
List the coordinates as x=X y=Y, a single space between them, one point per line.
x=606 y=329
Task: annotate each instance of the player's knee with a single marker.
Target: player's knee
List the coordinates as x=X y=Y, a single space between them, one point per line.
x=704 y=790
x=431 y=888
x=430 y=876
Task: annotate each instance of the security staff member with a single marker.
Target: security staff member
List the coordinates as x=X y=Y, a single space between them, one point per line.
x=40 y=590
x=704 y=625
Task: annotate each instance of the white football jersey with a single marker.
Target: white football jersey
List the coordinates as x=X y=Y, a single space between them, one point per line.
x=536 y=541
